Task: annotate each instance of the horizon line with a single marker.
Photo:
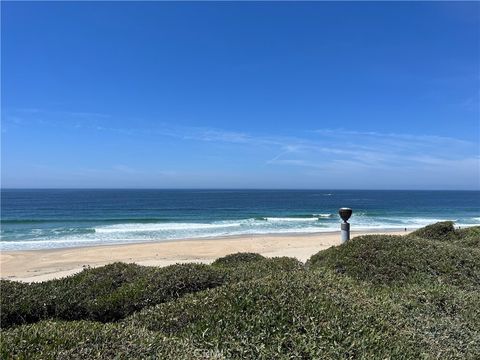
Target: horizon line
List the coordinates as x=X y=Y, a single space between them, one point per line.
x=229 y=189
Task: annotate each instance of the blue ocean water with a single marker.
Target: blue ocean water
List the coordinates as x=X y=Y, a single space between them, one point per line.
x=39 y=219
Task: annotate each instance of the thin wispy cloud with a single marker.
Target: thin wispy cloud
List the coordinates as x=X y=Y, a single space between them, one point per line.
x=368 y=146
x=357 y=150
x=319 y=150
x=361 y=151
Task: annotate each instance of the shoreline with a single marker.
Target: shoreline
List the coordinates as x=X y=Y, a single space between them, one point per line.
x=46 y=264
x=221 y=237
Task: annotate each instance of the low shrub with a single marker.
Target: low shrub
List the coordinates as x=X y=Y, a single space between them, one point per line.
x=104 y=294
x=236 y=259
x=299 y=315
x=444 y=319
x=91 y=340
x=383 y=259
x=445 y=231
x=111 y=292
x=321 y=315
x=469 y=237
x=308 y=314
x=440 y=231
x=262 y=268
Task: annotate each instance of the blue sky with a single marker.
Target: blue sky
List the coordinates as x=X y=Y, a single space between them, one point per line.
x=240 y=95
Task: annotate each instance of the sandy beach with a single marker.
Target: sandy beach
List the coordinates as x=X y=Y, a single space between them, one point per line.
x=41 y=265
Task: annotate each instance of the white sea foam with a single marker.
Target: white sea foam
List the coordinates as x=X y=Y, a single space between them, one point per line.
x=324 y=215
x=293 y=219
x=144 y=232
x=128 y=228
x=77 y=241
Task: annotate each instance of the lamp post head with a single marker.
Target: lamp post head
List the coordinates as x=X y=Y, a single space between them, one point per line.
x=345 y=213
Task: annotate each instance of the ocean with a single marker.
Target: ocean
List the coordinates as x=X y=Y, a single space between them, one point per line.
x=44 y=219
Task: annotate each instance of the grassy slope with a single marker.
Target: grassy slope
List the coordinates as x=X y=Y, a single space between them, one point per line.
x=322 y=314
x=389 y=260
x=114 y=291
x=375 y=297
x=104 y=294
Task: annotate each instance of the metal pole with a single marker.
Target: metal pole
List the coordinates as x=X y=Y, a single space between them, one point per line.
x=345 y=231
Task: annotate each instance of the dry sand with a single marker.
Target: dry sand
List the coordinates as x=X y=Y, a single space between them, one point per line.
x=41 y=265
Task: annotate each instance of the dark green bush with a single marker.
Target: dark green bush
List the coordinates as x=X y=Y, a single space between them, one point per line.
x=444 y=319
x=383 y=259
x=469 y=237
x=311 y=315
x=445 y=231
x=236 y=259
x=248 y=266
x=90 y=340
x=16 y=304
x=104 y=294
x=439 y=231
x=299 y=315
x=111 y=292
x=317 y=315
x=262 y=268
